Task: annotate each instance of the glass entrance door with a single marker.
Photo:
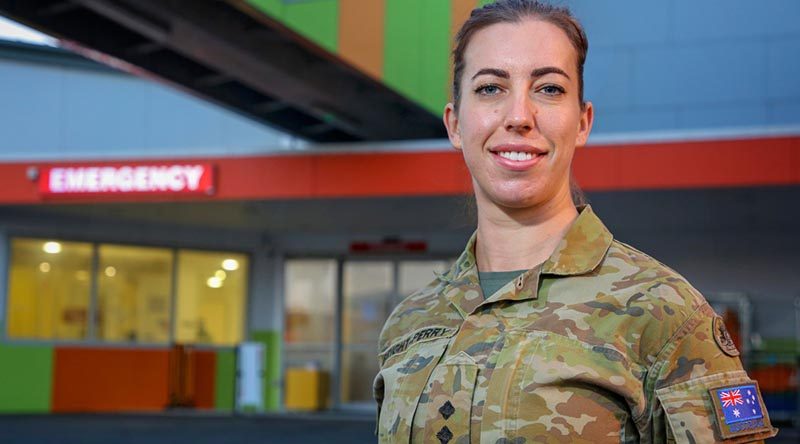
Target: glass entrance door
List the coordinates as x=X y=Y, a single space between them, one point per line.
x=370 y=291
x=367 y=294
x=335 y=309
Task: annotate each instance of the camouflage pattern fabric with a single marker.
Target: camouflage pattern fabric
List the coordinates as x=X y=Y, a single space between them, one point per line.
x=601 y=343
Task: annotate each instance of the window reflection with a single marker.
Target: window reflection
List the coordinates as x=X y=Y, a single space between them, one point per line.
x=368 y=291
x=417 y=274
x=133 y=294
x=310 y=309
x=212 y=288
x=371 y=290
x=49 y=289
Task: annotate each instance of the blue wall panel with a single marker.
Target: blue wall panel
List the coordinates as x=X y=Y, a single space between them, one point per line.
x=784 y=112
x=678 y=65
x=31 y=103
x=784 y=68
x=733 y=20
x=700 y=74
x=623 y=22
x=101 y=112
x=723 y=116
x=53 y=112
x=608 y=76
x=633 y=120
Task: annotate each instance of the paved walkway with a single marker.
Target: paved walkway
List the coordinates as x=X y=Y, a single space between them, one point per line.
x=192 y=428
x=180 y=429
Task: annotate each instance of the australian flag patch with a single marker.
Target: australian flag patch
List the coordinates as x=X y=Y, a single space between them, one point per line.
x=740 y=410
x=739 y=403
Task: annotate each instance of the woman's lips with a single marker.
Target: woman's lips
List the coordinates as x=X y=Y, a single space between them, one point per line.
x=516 y=160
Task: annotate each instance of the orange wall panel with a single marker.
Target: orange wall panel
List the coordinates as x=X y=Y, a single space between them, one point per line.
x=460 y=14
x=109 y=380
x=361 y=34
x=460 y=10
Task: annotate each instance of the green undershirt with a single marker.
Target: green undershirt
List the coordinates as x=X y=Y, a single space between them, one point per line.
x=491 y=281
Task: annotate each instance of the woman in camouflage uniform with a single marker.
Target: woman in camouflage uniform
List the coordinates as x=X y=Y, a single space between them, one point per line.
x=546 y=329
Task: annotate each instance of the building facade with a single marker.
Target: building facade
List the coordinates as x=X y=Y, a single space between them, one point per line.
x=145 y=234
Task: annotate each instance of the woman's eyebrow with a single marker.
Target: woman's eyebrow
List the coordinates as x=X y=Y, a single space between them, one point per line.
x=492 y=72
x=538 y=72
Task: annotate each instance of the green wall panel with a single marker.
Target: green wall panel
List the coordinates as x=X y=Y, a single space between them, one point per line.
x=271 y=7
x=484 y=2
x=416 y=50
x=318 y=20
x=272 y=367
x=225 y=380
x=26 y=378
x=435 y=55
x=416 y=41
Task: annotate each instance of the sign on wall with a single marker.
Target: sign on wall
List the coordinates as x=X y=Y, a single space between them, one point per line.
x=127 y=179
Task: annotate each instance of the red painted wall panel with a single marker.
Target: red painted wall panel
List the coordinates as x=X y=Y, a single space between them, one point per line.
x=663 y=165
x=205 y=363
x=109 y=380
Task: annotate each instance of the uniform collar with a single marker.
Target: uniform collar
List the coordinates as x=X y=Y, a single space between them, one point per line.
x=582 y=248
x=580 y=251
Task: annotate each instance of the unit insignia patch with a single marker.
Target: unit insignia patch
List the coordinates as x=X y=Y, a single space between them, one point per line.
x=723 y=338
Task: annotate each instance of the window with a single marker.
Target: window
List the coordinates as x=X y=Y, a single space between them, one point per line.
x=212 y=288
x=49 y=289
x=76 y=291
x=133 y=294
x=368 y=292
x=414 y=275
x=310 y=310
x=370 y=289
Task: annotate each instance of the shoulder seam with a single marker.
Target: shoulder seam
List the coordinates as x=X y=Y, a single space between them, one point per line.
x=678 y=335
x=628 y=246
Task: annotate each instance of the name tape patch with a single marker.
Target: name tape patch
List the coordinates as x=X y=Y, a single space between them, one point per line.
x=417 y=336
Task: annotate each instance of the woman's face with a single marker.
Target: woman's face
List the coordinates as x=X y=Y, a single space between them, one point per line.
x=519 y=119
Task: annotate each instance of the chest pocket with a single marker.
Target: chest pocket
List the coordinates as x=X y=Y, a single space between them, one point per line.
x=545 y=384
x=446 y=410
x=403 y=378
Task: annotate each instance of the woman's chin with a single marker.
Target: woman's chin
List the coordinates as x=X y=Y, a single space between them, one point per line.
x=516 y=201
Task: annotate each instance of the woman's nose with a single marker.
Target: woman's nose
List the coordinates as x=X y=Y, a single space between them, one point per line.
x=520 y=116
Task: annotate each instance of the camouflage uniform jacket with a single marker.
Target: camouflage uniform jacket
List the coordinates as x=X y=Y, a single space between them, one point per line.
x=601 y=343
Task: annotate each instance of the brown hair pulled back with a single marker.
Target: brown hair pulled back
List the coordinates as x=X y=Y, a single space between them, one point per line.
x=514 y=11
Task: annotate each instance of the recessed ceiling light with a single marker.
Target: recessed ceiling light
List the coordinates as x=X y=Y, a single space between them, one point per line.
x=52 y=247
x=230 y=264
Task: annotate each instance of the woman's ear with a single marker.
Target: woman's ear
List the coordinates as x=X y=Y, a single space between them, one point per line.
x=585 y=124
x=450 y=118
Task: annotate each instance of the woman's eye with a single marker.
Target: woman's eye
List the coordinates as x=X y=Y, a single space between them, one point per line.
x=488 y=90
x=552 y=90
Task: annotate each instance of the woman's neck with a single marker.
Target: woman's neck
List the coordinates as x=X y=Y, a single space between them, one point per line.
x=519 y=239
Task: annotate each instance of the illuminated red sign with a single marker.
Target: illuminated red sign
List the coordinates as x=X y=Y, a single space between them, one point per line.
x=389 y=246
x=128 y=179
